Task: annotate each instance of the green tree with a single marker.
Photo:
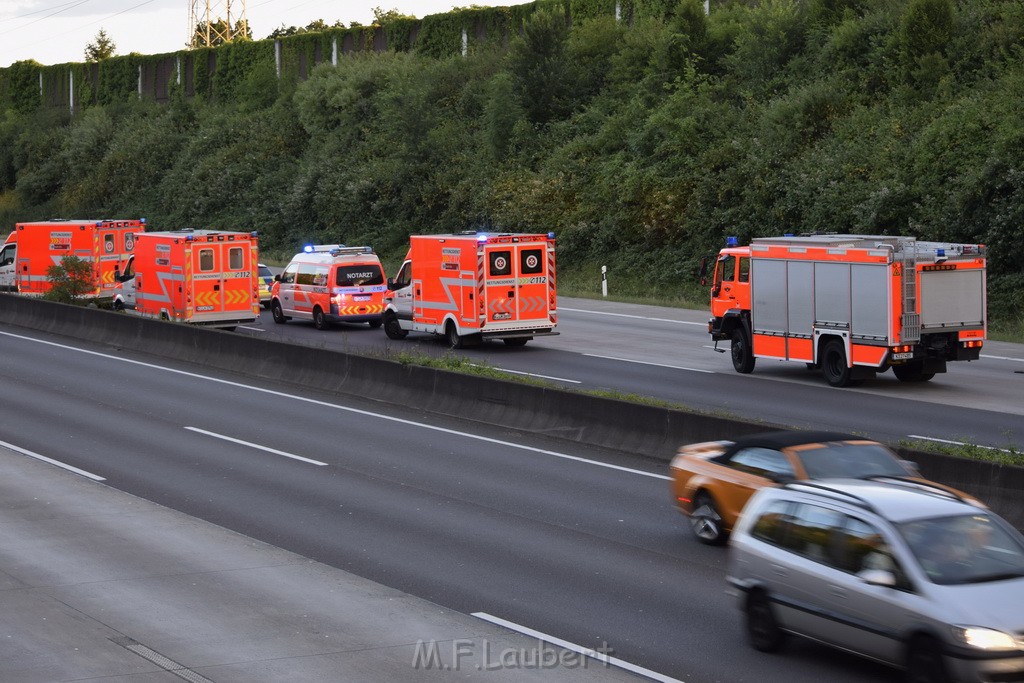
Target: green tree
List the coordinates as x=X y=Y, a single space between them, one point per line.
x=538 y=64
x=926 y=27
x=102 y=48
x=71 y=279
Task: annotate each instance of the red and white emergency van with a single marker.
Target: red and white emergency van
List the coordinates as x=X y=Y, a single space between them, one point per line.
x=202 y=277
x=33 y=248
x=330 y=283
x=474 y=286
x=851 y=305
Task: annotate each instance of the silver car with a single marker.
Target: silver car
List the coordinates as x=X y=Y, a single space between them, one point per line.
x=893 y=570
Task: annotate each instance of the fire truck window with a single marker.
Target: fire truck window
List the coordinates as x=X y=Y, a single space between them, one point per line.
x=108 y=244
x=530 y=262
x=206 y=260
x=235 y=258
x=358 y=276
x=288 y=276
x=727 y=267
x=500 y=263
x=744 y=270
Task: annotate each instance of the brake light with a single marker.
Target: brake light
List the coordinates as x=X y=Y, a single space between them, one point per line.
x=976 y=344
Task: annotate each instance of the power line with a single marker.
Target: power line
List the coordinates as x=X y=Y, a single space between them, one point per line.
x=38 y=11
x=72 y=6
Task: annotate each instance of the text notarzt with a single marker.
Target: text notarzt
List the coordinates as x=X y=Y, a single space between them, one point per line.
x=482 y=656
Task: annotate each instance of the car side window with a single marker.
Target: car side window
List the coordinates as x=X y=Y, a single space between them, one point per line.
x=404 y=276
x=774 y=523
x=288 y=276
x=762 y=462
x=861 y=546
x=811 y=532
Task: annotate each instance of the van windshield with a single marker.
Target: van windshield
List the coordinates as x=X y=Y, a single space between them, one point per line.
x=358 y=276
x=973 y=548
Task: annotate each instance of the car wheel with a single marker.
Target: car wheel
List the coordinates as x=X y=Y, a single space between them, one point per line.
x=516 y=341
x=924 y=662
x=275 y=310
x=834 y=367
x=392 y=328
x=319 y=319
x=742 y=353
x=762 y=629
x=451 y=333
x=118 y=305
x=705 y=520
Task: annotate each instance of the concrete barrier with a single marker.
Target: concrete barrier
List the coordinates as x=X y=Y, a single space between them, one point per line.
x=607 y=423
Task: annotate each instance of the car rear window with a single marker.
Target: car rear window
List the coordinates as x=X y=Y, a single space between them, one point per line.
x=856 y=461
x=358 y=276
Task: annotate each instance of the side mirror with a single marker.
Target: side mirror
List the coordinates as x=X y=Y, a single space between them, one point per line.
x=912 y=466
x=391 y=283
x=877 y=577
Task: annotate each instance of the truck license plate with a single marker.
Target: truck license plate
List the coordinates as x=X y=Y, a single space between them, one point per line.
x=357 y=297
x=903 y=356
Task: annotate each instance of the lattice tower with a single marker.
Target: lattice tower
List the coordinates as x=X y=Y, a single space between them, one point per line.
x=217 y=19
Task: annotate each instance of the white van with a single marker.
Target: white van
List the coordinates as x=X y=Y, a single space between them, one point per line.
x=330 y=283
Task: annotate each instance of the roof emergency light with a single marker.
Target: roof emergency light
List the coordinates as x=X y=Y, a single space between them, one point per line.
x=940 y=255
x=481 y=237
x=732 y=241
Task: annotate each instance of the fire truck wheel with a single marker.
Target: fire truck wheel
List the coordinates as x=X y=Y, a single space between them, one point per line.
x=375 y=324
x=391 y=326
x=911 y=372
x=834 y=367
x=275 y=309
x=742 y=355
x=451 y=333
x=516 y=341
x=319 y=319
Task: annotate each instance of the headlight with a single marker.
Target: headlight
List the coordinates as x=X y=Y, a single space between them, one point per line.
x=984 y=638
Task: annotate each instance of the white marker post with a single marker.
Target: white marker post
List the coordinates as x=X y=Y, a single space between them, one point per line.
x=604 y=280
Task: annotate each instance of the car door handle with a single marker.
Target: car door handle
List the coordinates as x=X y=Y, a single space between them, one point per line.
x=837 y=591
x=778 y=570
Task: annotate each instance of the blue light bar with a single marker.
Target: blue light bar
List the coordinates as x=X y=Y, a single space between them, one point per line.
x=308 y=249
x=481 y=237
x=731 y=242
x=551 y=235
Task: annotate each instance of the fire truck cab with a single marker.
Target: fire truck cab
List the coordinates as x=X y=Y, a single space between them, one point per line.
x=851 y=305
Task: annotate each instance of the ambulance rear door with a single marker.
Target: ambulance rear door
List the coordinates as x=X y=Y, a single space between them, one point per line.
x=516 y=283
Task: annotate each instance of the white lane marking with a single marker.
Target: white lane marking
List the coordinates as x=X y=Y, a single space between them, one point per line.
x=1016 y=360
x=959 y=443
x=529 y=374
x=626 y=315
x=253 y=329
x=579 y=649
x=256 y=446
x=62 y=465
x=355 y=411
x=643 y=362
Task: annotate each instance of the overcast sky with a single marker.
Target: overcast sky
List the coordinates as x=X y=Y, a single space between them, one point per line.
x=57 y=31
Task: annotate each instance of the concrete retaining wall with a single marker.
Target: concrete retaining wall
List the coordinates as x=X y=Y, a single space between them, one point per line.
x=607 y=423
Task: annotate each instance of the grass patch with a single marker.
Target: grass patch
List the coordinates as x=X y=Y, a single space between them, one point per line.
x=1011 y=455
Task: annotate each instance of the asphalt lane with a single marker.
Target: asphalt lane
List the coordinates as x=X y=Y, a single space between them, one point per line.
x=100 y=585
x=480 y=520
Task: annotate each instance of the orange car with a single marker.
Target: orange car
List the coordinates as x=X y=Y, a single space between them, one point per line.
x=711 y=481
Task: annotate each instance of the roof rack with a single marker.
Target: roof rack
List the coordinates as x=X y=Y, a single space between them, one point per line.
x=818 y=486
